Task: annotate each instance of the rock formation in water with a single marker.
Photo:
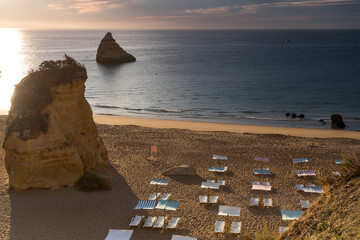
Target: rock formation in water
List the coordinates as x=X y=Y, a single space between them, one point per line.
x=109 y=52
x=337 y=121
x=51 y=138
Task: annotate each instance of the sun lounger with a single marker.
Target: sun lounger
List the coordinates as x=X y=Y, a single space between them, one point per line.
x=218 y=157
x=304 y=204
x=306 y=173
x=154 y=196
x=159 y=222
x=283 y=229
x=149 y=222
x=165 y=196
x=179 y=237
x=235 y=227
x=115 y=234
x=173 y=223
x=136 y=221
x=268 y=202
x=254 y=202
x=255 y=183
x=264 y=171
x=219 y=227
x=299 y=187
x=313 y=189
x=221 y=182
x=336 y=174
x=212 y=200
x=337 y=161
x=299 y=160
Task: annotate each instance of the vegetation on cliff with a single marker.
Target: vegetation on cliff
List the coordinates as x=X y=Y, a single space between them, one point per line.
x=336 y=214
x=33 y=94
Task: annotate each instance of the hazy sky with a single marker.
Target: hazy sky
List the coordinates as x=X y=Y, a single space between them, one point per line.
x=180 y=14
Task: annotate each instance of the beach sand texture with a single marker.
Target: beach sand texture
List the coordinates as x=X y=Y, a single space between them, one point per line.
x=68 y=214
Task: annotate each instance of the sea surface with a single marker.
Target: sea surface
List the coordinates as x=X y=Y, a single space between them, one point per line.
x=245 y=76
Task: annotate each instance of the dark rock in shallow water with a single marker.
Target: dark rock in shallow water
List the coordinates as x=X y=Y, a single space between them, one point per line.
x=301 y=116
x=293 y=115
x=337 y=121
x=109 y=52
x=287 y=114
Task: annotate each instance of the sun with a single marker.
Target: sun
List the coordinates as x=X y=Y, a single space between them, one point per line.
x=11 y=44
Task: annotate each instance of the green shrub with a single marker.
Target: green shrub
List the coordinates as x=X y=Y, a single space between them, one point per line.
x=265 y=234
x=92 y=182
x=351 y=167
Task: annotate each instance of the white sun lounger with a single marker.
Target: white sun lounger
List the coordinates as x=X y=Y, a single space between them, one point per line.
x=154 y=196
x=254 y=202
x=212 y=200
x=255 y=183
x=179 y=237
x=135 y=221
x=336 y=174
x=165 y=196
x=219 y=227
x=221 y=182
x=268 y=202
x=116 y=234
x=173 y=223
x=235 y=227
x=283 y=229
x=159 y=222
x=149 y=222
x=304 y=204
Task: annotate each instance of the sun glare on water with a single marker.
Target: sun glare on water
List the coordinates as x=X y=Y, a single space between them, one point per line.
x=11 y=64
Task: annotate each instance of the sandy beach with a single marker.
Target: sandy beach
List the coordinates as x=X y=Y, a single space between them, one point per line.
x=69 y=214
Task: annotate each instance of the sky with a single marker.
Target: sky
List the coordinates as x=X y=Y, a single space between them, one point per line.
x=180 y=14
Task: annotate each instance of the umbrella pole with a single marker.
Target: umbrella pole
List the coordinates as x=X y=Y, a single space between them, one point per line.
x=261 y=197
x=208 y=198
x=156 y=190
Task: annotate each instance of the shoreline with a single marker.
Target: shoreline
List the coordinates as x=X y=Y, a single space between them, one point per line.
x=224 y=127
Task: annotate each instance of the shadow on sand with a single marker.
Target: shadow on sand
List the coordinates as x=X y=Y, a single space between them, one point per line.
x=66 y=213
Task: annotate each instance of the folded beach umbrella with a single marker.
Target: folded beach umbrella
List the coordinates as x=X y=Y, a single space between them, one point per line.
x=291 y=214
x=179 y=237
x=217 y=157
x=306 y=173
x=300 y=160
x=262 y=159
x=115 y=234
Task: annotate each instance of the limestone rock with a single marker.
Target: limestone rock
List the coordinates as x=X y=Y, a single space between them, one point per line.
x=109 y=52
x=337 y=121
x=51 y=137
x=180 y=170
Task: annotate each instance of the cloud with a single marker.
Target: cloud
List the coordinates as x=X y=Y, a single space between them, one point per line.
x=254 y=8
x=206 y=11
x=91 y=6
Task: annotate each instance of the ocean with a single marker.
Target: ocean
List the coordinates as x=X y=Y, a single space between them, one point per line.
x=245 y=76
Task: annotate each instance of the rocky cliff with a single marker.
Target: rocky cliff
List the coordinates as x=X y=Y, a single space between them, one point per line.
x=109 y=52
x=51 y=138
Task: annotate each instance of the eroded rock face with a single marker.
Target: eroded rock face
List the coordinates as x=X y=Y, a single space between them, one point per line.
x=51 y=137
x=109 y=52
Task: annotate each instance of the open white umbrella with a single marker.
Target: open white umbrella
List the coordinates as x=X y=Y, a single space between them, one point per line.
x=115 y=234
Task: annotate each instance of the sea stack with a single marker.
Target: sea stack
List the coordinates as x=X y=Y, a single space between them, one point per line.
x=109 y=52
x=51 y=138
